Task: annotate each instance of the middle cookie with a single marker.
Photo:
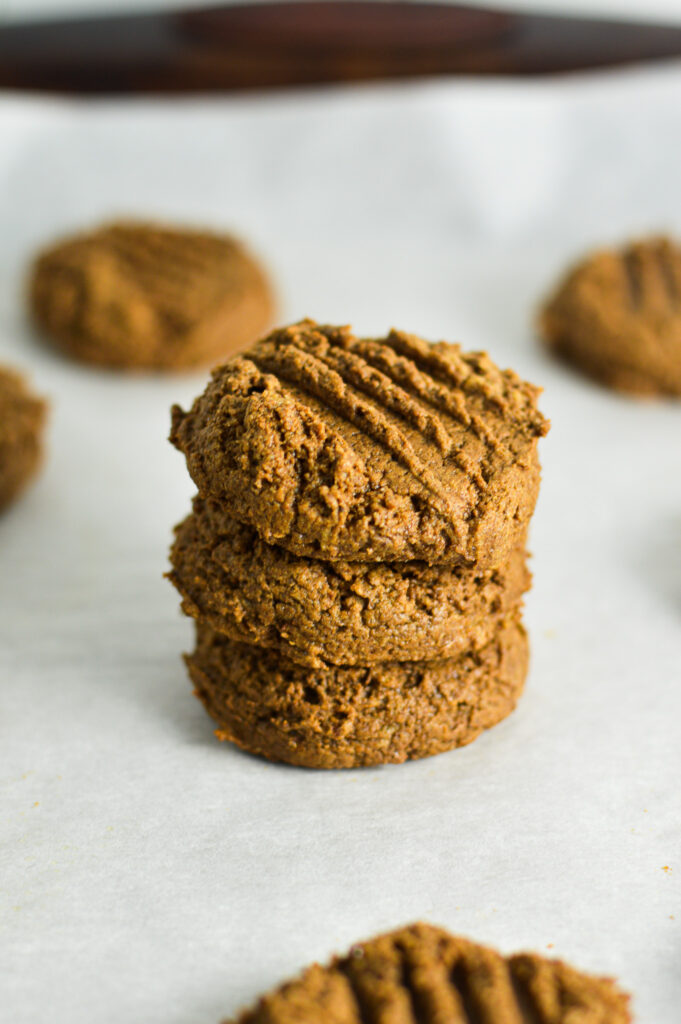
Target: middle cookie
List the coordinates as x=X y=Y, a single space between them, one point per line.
x=339 y=613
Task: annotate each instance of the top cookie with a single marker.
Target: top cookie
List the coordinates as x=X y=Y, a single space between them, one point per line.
x=617 y=316
x=424 y=974
x=141 y=296
x=337 y=447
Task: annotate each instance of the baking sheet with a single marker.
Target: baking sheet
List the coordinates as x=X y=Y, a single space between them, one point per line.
x=149 y=872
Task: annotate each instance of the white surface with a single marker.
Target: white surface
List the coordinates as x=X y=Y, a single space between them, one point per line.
x=650 y=10
x=153 y=874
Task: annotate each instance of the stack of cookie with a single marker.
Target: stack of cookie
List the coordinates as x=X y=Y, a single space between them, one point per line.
x=355 y=558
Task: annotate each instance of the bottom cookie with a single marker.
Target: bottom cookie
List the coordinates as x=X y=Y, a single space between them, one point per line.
x=424 y=975
x=350 y=716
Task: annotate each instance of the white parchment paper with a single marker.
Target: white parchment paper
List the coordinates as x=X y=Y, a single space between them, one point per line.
x=149 y=873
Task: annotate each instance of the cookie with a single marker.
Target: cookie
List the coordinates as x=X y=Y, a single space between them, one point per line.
x=139 y=296
x=423 y=975
x=617 y=317
x=342 y=448
x=352 y=613
x=351 y=716
x=22 y=421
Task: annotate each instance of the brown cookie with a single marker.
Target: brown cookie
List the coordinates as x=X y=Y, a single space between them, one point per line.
x=617 y=317
x=141 y=296
x=423 y=975
x=337 y=447
x=22 y=421
x=352 y=613
x=348 y=716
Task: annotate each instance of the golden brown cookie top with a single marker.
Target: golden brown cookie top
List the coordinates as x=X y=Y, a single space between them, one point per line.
x=137 y=295
x=424 y=975
x=386 y=449
x=617 y=315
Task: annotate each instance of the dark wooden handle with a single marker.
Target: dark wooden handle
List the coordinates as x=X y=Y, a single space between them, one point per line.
x=264 y=45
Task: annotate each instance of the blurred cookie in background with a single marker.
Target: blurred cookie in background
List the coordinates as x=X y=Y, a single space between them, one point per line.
x=617 y=317
x=137 y=296
x=22 y=422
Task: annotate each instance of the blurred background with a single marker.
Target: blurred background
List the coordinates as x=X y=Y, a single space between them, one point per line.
x=18 y=10
x=189 y=45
